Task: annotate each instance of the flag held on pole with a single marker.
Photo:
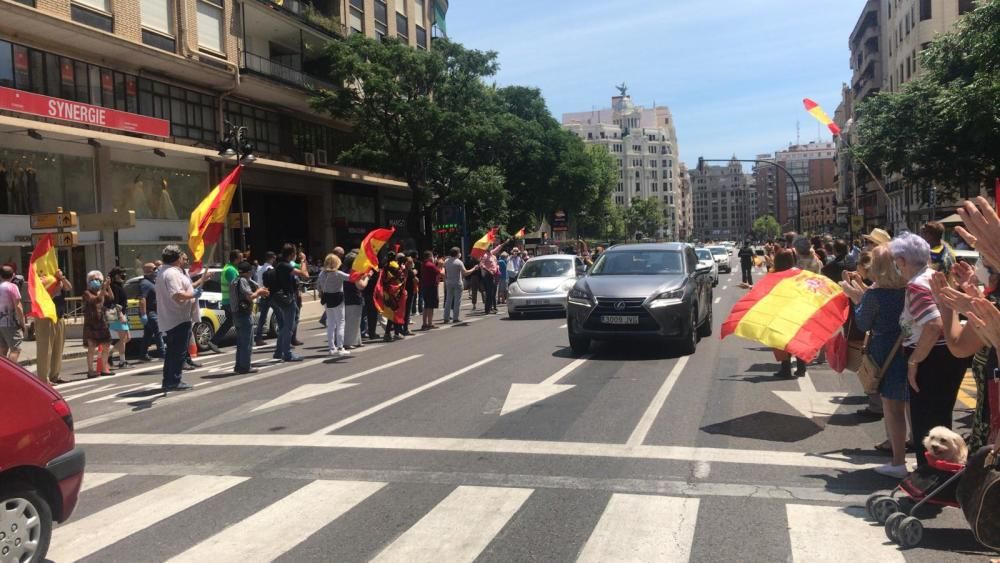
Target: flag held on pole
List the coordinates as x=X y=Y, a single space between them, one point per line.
x=42 y=281
x=821 y=116
x=795 y=310
x=520 y=234
x=483 y=244
x=209 y=219
x=367 y=259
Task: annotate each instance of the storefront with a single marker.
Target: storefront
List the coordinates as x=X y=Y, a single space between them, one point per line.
x=355 y=213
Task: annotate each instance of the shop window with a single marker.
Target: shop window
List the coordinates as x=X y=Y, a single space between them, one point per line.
x=6 y=65
x=35 y=182
x=155 y=192
x=354 y=208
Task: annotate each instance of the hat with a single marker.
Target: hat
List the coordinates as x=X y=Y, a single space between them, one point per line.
x=244 y=267
x=878 y=236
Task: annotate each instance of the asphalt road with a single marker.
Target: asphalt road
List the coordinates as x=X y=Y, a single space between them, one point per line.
x=486 y=441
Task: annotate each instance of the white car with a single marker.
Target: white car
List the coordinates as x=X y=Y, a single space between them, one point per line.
x=722 y=258
x=542 y=285
x=705 y=258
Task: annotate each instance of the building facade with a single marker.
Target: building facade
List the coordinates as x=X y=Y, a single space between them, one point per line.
x=644 y=142
x=765 y=181
x=819 y=212
x=685 y=207
x=121 y=105
x=811 y=165
x=723 y=199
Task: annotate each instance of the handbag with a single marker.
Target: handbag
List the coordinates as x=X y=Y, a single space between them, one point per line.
x=113 y=315
x=870 y=373
x=979 y=496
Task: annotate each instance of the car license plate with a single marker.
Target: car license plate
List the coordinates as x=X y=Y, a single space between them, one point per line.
x=539 y=301
x=620 y=319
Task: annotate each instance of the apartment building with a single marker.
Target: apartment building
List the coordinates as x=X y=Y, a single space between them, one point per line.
x=819 y=214
x=723 y=201
x=109 y=105
x=765 y=181
x=811 y=165
x=685 y=207
x=644 y=142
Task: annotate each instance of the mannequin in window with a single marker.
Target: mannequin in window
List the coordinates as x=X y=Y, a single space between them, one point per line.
x=136 y=200
x=19 y=192
x=167 y=210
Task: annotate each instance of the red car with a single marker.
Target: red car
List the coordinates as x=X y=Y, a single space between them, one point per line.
x=41 y=469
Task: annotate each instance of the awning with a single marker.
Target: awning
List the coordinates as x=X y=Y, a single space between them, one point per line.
x=951 y=220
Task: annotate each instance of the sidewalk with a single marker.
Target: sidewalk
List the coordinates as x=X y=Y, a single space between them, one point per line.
x=74 y=348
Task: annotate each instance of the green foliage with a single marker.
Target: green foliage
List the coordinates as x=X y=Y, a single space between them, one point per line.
x=644 y=215
x=942 y=128
x=767 y=227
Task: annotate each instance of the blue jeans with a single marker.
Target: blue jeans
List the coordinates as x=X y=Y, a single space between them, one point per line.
x=452 y=301
x=262 y=307
x=173 y=363
x=286 y=317
x=151 y=335
x=243 y=321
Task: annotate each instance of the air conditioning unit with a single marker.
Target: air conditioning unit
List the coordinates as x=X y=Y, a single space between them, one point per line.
x=321 y=157
x=310 y=159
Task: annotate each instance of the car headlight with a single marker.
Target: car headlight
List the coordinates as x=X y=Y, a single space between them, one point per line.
x=666 y=298
x=567 y=285
x=513 y=289
x=579 y=296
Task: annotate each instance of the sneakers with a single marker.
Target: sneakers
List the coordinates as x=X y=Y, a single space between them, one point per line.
x=894 y=471
x=345 y=352
x=293 y=358
x=259 y=342
x=179 y=387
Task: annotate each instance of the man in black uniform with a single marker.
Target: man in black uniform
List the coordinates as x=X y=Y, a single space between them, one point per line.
x=746 y=263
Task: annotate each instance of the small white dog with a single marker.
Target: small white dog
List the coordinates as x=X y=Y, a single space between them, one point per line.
x=946 y=445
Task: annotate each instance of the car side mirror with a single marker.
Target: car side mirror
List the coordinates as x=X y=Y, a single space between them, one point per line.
x=581 y=270
x=512 y=277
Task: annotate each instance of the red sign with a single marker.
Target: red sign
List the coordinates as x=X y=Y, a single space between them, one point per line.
x=68 y=110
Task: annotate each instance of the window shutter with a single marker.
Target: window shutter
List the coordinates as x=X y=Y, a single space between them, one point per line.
x=210 y=26
x=157 y=14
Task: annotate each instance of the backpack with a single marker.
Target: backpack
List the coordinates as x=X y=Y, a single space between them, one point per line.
x=237 y=302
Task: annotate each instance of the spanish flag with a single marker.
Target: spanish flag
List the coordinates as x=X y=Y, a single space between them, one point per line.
x=367 y=259
x=42 y=281
x=209 y=218
x=483 y=244
x=519 y=234
x=821 y=116
x=795 y=310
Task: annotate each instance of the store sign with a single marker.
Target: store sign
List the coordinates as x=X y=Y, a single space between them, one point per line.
x=559 y=221
x=86 y=114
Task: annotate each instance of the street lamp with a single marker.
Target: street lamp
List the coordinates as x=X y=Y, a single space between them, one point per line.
x=235 y=143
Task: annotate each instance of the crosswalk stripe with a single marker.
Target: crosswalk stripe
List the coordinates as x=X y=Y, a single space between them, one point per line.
x=92 y=480
x=117 y=394
x=81 y=538
x=834 y=534
x=258 y=538
x=459 y=528
x=643 y=528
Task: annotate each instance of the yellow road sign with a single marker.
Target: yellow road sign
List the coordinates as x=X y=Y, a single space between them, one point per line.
x=53 y=220
x=236 y=223
x=61 y=240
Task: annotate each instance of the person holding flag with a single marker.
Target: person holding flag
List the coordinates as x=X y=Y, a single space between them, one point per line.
x=489 y=268
x=390 y=299
x=208 y=220
x=47 y=287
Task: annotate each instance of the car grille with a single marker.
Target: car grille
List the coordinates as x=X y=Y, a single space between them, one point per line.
x=633 y=306
x=550 y=308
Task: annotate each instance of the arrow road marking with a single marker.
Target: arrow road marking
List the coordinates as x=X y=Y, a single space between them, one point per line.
x=810 y=402
x=311 y=390
x=526 y=394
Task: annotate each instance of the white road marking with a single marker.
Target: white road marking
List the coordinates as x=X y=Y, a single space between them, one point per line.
x=80 y=538
x=702 y=469
x=101 y=380
x=161 y=395
x=311 y=390
x=92 y=480
x=725 y=287
x=646 y=422
x=562 y=326
x=118 y=393
x=98 y=390
x=262 y=537
x=404 y=396
x=810 y=402
x=491 y=445
x=829 y=533
x=717 y=300
x=522 y=395
x=459 y=528
x=643 y=528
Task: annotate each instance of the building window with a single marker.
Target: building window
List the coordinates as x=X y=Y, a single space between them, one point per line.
x=419 y=15
x=158 y=15
x=421 y=38
x=965 y=6
x=95 y=13
x=925 y=10
x=402 y=24
x=210 y=18
x=381 y=20
x=357 y=20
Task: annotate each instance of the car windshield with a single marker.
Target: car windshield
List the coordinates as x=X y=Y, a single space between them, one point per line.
x=703 y=253
x=639 y=262
x=547 y=269
x=719 y=251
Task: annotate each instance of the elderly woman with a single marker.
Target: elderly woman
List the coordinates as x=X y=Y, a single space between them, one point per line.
x=96 y=334
x=877 y=309
x=331 y=287
x=934 y=373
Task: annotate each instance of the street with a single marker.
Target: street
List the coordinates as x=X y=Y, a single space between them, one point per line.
x=485 y=441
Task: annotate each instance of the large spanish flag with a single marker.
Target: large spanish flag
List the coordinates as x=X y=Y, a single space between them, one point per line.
x=483 y=244
x=209 y=218
x=821 y=116
x=367 y=259
x=795 y=310
x=42 y=281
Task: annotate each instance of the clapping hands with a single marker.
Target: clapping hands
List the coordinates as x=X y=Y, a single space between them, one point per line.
x=982 y=229
x=948 y=297
x=985 y=318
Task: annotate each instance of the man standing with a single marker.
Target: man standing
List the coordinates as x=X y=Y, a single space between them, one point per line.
x=229 y=273
x=11 y=316
x=746 y=263
x=282 y=295
x=265 y=302
x=454 y=272
x=942 y=256
x=836 y=268
x=51 y=336
x=177 y=309
x=430 y=276
x=243 y=291
x=515 y=263
x=805 y=257
x=147 y=312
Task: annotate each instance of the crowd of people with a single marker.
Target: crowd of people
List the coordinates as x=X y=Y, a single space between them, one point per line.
x=922 y=314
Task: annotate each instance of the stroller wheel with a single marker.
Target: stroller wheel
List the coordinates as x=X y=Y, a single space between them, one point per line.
x=870 y=504
x=884 y=507
x=910 y=532
x=892 y=526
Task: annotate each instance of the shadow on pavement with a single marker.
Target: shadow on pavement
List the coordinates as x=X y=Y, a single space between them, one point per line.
x=754 y=378
x=766 y=426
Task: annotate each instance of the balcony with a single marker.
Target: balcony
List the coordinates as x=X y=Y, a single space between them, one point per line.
x=318 y=14
x=281 y=71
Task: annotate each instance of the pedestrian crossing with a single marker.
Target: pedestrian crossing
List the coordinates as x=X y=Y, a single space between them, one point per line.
x=459 y=525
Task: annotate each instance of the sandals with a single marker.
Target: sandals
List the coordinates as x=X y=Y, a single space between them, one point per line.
x=886 y=448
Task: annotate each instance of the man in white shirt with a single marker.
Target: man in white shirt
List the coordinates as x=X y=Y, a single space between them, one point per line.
x=177 y=309
x=454 y=273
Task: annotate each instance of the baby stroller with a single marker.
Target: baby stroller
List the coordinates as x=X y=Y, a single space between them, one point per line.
x=935 y=484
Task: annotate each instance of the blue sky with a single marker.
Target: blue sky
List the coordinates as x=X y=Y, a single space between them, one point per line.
x=733 y=72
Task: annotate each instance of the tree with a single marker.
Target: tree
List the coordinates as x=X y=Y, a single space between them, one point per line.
x=942 y=128
x=644 y=215
x=767 y=227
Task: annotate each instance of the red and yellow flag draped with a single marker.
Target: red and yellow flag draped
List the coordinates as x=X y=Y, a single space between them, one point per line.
x=390 y=294
x=483 y=244
x=367 y=259
x=795 y=310
x=42 y=281
x=209 y=218
x=821 y=116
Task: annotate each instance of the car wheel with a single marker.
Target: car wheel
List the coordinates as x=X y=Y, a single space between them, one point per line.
x=203 y=334
x=689 y=340
x=25 y=525
x=579 y=344
x=705 y=330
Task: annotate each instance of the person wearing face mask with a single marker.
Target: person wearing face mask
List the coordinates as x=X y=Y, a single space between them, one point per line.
x=119 y=328
x=96 y=333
